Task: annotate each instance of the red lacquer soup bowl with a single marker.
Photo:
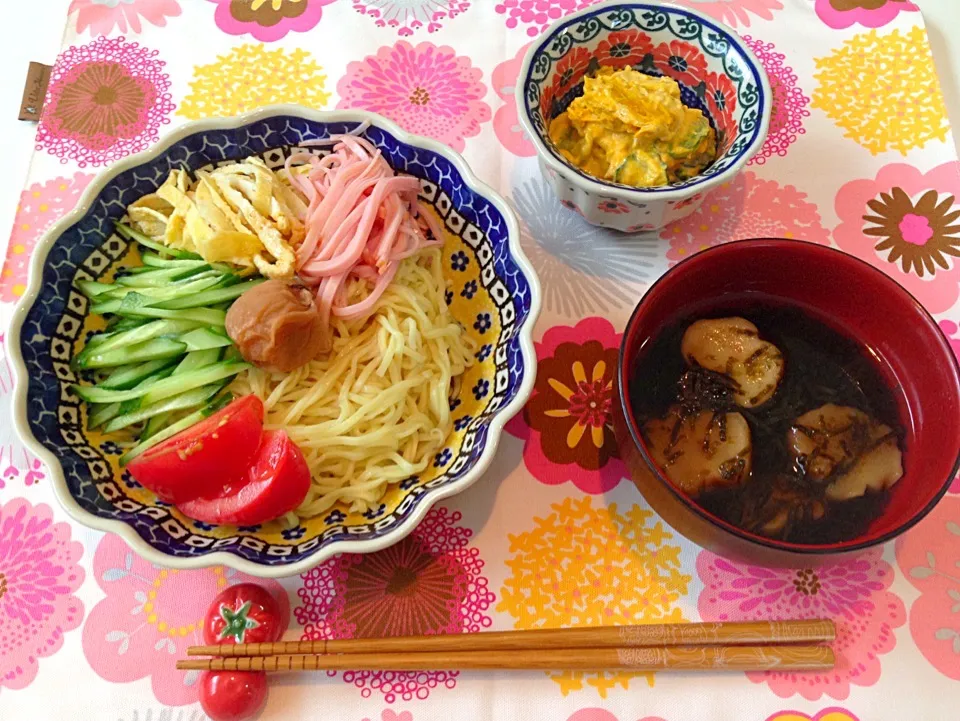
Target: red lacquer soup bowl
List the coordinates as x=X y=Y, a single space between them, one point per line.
x=854 y=299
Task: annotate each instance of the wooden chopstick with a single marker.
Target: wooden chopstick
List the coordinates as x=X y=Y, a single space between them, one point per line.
x=639 y=636
x=679 y=658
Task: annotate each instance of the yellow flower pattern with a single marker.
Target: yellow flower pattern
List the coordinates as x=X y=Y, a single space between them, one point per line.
x=883 y=91
x=589 y=566
x=251 y=76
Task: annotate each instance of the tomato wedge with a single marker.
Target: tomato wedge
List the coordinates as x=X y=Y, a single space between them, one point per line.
x=278 y=480
x=200 y=460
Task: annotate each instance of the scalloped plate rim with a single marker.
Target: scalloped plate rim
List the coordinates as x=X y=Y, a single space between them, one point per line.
x=323 y=553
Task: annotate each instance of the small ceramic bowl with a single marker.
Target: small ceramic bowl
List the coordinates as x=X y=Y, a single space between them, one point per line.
x=892 y=326
x=717 y=73
x=482 y=252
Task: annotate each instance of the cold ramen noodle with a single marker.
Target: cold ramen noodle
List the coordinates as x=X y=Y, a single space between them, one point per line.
x=772 y=421
x=633 y=129
x=284 y=345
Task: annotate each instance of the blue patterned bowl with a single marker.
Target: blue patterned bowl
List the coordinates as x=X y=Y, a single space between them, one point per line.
x=482 y=253
x=717 y=74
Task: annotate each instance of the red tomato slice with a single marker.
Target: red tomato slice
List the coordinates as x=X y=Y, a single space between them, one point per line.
x=232 y=695
x=278 y=480
x=244 y=613
x=202 y=459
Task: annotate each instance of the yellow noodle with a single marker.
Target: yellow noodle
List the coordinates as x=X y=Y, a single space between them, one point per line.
x=375 y=411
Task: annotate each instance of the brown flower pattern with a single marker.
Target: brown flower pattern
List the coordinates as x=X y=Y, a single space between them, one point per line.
x=571 y=406
x=861 y=4
x=266 y=13
x=918 y=234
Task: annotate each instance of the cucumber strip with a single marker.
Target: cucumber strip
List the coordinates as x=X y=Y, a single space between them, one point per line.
x=163 y=388
x=139 y=334
x=134 y=404
x=99 y=339
x=130 y=234
x=155 y=260
x=178 y=384
x=127 y=377
x=197 y=359
x=156 y=295
x=154 y=424
x=189 y=399
x=98 y=415
x=149 y=350
x=204 y=339
x=174 y=428
x=118 y=324
x=152 y=277
x=133 y=305
x=92 y=288
x=160 y=436
x=203 y=316
x=209 y=297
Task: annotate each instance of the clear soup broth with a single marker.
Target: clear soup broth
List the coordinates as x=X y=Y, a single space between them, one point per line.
x=781 y=494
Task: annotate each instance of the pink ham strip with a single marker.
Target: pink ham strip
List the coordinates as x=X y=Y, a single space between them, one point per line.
x=362 y=220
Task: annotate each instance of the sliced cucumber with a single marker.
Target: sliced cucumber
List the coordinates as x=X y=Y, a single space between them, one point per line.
x=118 y=324
x=197 y=359
x=156 y=295
x=139 y=334
x=127 y=377
x=130 y=234
x=204 y=339
x=134 y=305
x=92 y=288
x=155 y=424
x=163 y=388
x=189 y=399
x=203 y=376
x=209 y=297
x=156 y=260
x=98 y=415
x=155 y=349
x=158 y=277
x=174 y=428
x=640 y=169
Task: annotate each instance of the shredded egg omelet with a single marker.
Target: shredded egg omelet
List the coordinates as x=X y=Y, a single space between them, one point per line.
x=241 y=213
x=632 y=128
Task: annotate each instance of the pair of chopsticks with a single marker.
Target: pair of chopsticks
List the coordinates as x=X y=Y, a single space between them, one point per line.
x=732 y=646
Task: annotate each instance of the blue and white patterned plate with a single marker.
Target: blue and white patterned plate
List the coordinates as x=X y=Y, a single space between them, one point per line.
x=493 y=293
x=717 y=74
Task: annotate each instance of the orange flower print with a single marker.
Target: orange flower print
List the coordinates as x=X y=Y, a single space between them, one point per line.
x=721 y=101
x=623 y=48
x=570 y=69
x=682 y=62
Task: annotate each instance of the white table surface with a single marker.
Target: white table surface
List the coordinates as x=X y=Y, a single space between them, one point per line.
x=46 y=18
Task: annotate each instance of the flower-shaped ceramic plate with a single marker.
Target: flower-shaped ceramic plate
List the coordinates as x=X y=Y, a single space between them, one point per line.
x=493 y=292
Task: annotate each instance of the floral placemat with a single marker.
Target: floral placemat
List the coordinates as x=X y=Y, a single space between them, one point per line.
x=859 y=157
